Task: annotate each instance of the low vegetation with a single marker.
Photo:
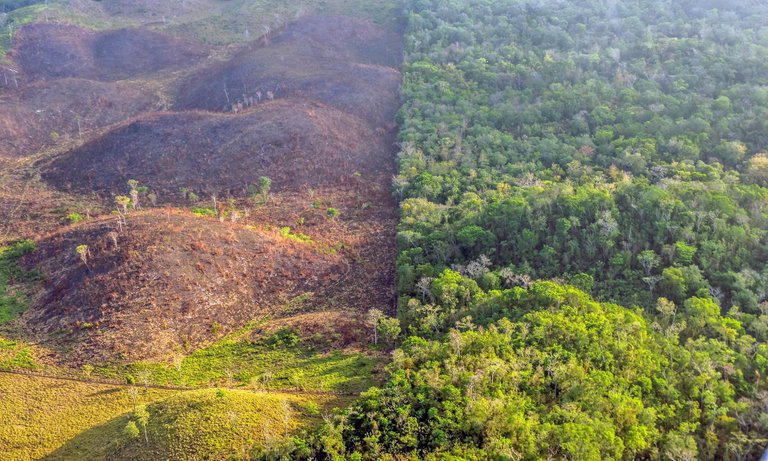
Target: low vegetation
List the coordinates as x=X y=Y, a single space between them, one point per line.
x=12 y=303
x=219 y=424
x=271 y=362
x=41 y=415
x=69 y=421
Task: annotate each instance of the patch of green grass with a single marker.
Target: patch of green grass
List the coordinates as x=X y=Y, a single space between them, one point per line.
x=204 y=211
x=214 y=424
x=40 y=415
x=13 y=21
x=278 y=361
x=13 y=303
x=298 y=237
x=16 y=356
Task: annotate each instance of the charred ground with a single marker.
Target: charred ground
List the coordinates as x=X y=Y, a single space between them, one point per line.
x=166 y=280
x=296 y=143
x=50 y=51
x=310 y=106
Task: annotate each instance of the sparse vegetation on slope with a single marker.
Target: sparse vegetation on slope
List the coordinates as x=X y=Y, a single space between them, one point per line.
x=161 y=280
x=40 y=415
x=47 y=51
x=346 y=63
x=49 y=113
x=248 y=359
x=297 y=144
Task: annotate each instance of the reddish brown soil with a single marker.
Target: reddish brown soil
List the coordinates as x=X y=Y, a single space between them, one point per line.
x=296 y=144
x=342 y=62
x=30 y=209
x=364 y=232
x=173 y=280
x=45 y=113
x=50 y=51
x=322 y=330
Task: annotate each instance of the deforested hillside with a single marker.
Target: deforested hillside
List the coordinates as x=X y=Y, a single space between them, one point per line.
x=193 y=196
x=46 y=113
x=315 y=171
x=49 y=51
x=61 y=82
x=343 y=62
x=161 y=279
x=297 y=144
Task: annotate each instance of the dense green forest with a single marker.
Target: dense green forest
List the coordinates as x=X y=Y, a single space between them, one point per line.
x=583 y=236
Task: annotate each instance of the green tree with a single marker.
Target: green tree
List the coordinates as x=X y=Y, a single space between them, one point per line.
x=131 y=430
x=142 y=418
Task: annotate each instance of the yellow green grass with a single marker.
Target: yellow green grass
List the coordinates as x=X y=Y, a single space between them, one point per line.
x=278 y=361
x=40 y=415
x=218 y=424
x=55 y=419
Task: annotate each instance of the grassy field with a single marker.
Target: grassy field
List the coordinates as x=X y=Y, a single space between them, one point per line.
x=211 y=424
x=41 y=415
x=65 y=420
x=277 y=361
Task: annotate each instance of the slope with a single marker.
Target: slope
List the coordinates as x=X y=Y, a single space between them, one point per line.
x=295 y=143
x=162 y=281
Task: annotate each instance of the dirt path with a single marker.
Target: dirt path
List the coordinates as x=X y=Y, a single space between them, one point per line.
x=165 y=388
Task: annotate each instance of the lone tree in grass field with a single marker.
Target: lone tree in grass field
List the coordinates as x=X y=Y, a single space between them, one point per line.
x=142 y=417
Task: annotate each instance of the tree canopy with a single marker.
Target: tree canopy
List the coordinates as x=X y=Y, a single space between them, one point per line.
x=582 y=245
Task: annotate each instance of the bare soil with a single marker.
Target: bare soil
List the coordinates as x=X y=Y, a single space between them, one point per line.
x=343 y=62
x=173 y=281
x=311 y=107
x=44 y=51
x=46 y=113
x=295 y=143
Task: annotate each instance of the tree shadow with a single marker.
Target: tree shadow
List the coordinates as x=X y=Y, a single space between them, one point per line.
x=94 y=444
